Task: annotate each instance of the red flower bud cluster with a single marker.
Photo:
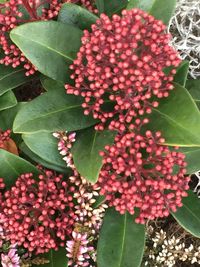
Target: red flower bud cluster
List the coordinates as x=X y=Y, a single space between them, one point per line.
x=39 y=213
x=122 y=61
x=4 y=136
x=140 y=172
x=12 y=15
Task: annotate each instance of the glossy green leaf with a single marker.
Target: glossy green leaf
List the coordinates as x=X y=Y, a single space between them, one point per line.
x=13 y=166
x=76 y=16
x=158 y=8
x=11 y=78
x=49 y=84
x=178 y=119
x=145 y=5
x=45 y=146
x=192 y=158
x=188 y=216
x=182 y=73
x=121 y=241
x=36 y=159
x=54 y=46
x=56 y=258
x=110 y=7
x=52 y=111
x=193 y=87
x=86 y=150
x=7 y=100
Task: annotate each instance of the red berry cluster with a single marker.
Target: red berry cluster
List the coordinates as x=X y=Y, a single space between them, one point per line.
x=11 y=15
x=125 y=65
x=39 y=213
x=138 y=172
x=4 y=136
x=122 y=61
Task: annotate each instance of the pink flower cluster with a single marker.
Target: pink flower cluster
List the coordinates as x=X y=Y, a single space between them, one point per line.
x=138 y=172
x=38 y=212
x=11 y=15
x=122 y=61
x=125 y=65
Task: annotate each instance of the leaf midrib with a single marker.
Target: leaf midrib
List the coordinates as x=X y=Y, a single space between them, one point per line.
x=46 y=46
x=10 y=74
x=123 y=240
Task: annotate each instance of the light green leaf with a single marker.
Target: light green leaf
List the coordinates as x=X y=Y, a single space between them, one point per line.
x=145 y=5
x=178 y=119
x=49 y=84
x=192 y=158
x=188 y=216
x=12 y=166
x=54 y=46
x=182 y=73
x=50 y=112
x=76 y=16
x=86 y=150
x=110 y=7
x=121 y=241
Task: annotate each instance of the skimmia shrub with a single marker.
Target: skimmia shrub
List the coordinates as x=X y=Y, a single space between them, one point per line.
x=101 y=141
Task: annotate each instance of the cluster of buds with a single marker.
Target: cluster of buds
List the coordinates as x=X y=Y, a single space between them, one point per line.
x=65 y=144
x=122 y=61
x=88 y=218
x=4 y=137
x=139 y=172
x=38 y=212
x=12 y=15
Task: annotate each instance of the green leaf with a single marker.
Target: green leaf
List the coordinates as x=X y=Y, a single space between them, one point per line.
x=7 y=100
x=192 y=158
x=49 y=84
x=121 y=241
x=45 y=146
x=13 y=166
x=193 y=87
x=145 y=5
x=178 y=119
x=56 y=258
x=11 y=78
x=52 y=111
x=76 y=16
x=182 y=73
x=157 y=8
x=162 y=10
x=52 y=44
x=188 y=216
x=86 y=150
x=110 y=7
x=35 y=158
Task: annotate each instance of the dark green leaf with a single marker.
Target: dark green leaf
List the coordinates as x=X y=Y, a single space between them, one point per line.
x=188 y=216
x=35 y=158
x=13 y=166
x=178 y=119
x=182 y=73
x=45 y=146
x=11 y=78
x=56 y=258
x=121 y=241
x=86 y=152
x=76 y=16
x=49 y=84
x=52 y=44
x=52 y=111
x=162 y=10
x=192 y=158
x=7 y=100
x=110 y=7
